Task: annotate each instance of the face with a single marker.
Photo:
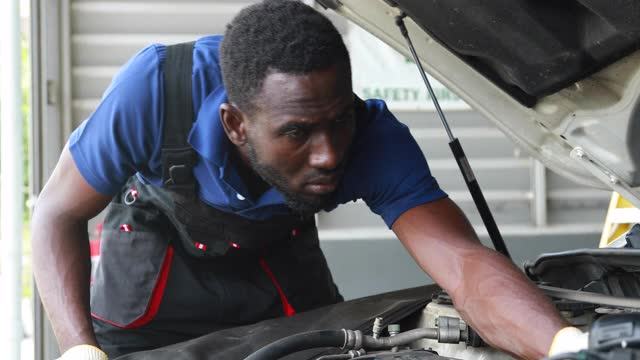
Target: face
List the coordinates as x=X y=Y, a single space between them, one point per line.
x=298 y=137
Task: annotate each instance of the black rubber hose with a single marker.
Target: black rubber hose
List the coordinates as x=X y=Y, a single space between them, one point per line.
x=299 y=342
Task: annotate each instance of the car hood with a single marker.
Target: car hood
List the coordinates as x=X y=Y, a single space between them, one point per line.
x=560 y=78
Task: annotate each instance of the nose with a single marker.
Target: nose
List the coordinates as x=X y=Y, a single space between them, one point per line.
x=324 y=153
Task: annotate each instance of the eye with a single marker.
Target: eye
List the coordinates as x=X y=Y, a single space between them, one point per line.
x=296 y=133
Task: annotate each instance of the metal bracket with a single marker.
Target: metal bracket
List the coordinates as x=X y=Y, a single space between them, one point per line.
x=606 y=175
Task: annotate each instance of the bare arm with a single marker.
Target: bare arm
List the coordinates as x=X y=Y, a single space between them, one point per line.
x=61 y=262
x=488 y=290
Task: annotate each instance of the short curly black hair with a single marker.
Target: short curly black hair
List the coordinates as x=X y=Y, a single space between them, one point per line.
x=286 y=36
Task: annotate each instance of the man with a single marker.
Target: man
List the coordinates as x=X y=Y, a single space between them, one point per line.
x=211 y=216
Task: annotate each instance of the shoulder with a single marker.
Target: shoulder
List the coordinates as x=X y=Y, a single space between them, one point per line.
x=207 y=47
x=139 y=70
x=205 y=53
x=386 y=168
x=117 y=139
x=378 y=130
x=206 y=75
x=375 y=119
x=150 y=60
x=378 y=146
x=206 y=56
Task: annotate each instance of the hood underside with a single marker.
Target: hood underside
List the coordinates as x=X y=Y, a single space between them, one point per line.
x=560 y=78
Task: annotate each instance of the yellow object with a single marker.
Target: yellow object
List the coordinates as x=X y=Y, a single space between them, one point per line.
x=620 y=217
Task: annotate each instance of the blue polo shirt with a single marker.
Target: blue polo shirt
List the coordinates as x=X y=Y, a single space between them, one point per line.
x=124 y=137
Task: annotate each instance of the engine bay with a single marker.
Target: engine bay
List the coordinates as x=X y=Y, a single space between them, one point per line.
x=596 y=290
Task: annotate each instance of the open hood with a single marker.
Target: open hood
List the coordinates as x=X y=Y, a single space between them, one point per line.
x=560 y=78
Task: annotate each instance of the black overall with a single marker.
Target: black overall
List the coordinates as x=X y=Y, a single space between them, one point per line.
x=173 y=268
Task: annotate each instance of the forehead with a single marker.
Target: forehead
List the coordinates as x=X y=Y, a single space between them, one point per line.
x=305 y=95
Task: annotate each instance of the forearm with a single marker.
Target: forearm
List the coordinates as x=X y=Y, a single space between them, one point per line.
x=506 y=309
x=62 y=271
x=492 y=295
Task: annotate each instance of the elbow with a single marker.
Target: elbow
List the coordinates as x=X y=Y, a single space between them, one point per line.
x=41 y=218
x=50 y=223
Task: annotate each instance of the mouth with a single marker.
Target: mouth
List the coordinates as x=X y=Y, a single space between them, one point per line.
x=322 y=185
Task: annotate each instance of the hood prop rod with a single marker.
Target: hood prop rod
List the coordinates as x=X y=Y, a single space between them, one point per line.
x=458 y=153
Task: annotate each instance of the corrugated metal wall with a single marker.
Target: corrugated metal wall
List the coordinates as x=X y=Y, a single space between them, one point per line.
x=104 y=34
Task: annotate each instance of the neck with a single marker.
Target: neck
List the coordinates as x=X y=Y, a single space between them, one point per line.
x=253 y=181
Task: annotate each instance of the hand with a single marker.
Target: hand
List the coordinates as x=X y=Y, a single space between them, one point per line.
x=84 y=352
x=569 y=340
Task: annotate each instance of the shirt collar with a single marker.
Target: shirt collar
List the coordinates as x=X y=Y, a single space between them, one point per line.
x=207 y=137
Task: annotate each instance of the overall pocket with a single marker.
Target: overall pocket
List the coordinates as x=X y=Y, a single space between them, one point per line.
x=302 y=271
x=135 y=259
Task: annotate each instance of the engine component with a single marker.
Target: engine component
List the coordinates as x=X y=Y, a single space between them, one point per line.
x=336 y=357
x=451 y=330
x=393 y=329
x=615 y=354
x=345 y=339
x=445 y=335
x=352 y=354
x=611 y=337
x=441 y=297
x=633 y=237
x=590 y=297
x=615 y=331
x=377 y=327
x=405 y=355
x=404 y=338
x=613 y=272
x=475 y=348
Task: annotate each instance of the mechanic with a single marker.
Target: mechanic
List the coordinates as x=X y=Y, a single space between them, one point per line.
x=211 y=218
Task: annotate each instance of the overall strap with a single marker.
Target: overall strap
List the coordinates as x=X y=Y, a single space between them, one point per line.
x=178 y=158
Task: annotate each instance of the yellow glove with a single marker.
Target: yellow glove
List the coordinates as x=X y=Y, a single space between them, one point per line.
x=84 y=352
x=569 y=340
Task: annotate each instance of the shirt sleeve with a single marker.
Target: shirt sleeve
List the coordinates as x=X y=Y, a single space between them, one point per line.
x=387 y=167
x=123 y=135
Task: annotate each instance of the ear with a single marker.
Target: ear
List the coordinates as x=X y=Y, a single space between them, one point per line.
x=234 y=122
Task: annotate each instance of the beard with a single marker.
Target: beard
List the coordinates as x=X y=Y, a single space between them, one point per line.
x=304 y=206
